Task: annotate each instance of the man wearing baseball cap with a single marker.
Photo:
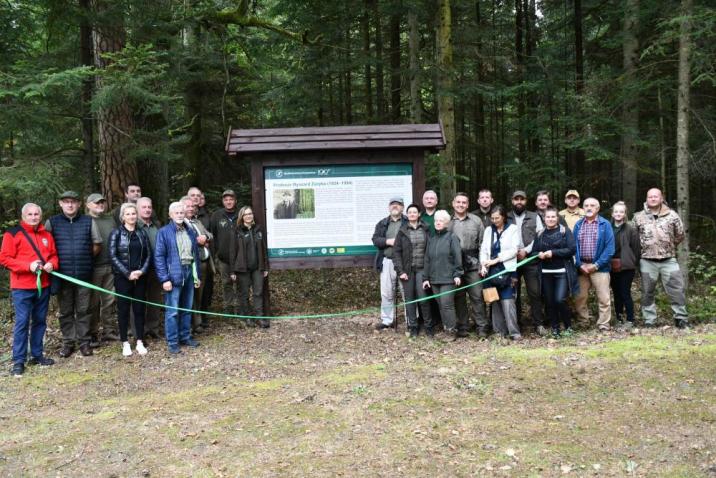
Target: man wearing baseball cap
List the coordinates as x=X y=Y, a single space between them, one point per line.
x=384 y=238
x=221 y=226
x=101 y=307
x=78 y=240
x=572 y=213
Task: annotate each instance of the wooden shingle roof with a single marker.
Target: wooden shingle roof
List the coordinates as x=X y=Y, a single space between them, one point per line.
x=424 y=136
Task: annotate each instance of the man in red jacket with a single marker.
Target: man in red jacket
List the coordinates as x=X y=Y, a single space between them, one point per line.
x=28 y=250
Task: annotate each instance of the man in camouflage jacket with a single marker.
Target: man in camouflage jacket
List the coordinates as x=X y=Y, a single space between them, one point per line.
x=660 y=231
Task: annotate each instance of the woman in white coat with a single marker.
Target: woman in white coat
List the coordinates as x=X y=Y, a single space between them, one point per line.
x=498 y=253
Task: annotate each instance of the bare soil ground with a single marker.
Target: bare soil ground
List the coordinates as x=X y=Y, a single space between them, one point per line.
x=335 y=398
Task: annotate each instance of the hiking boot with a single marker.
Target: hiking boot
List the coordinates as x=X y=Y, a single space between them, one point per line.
x=555 y=334
x=461 y=334
x=66 y=351
x=264 y=323
x=413 y=332
x=482 y=334
x=42 y=361
x=381 y=326
x=86 y=350
x=429 y=332
x=18 y=368
x=190 y=343
x=174 y=350
x=94 y=342
x=198 y=330
x=542 y=331
x=682 y=324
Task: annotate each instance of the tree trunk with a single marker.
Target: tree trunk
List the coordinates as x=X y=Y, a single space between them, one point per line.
x=413 y=50
x=395 y=68
x=579 y=156
x=114 y=122
x=446 y=102
x=365 y=26
x=630 y=110
x=87 y=59
x=682 y=132
x=349 y=80
x=520 y=67
x=662 y=141
x=379 y=85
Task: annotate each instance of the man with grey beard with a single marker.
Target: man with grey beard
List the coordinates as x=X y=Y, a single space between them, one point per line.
x=384 y=239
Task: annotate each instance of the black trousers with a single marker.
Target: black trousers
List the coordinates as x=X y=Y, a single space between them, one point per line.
x=136 y=289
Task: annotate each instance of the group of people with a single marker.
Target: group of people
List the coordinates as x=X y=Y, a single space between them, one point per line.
x=421 y=251
x=129 y=251
x=486 y=254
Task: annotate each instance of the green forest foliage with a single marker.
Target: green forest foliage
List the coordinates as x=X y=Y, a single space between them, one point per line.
x=191 y=69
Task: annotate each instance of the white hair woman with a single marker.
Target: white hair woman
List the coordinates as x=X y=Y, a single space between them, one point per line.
x=442 y=268
x=131 y=255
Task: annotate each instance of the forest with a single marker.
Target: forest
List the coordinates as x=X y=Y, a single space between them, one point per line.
x=607 y=96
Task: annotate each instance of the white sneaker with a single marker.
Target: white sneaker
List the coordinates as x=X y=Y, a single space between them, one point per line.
x=126 y=349
x=141 y=349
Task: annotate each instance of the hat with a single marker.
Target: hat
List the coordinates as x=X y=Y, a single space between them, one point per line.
x=70 y=195
x=397 y=199
x=571 y=192
x=228 y=192
x=95 y=197
x=519 y=193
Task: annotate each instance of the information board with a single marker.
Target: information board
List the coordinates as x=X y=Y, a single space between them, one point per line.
x=330 y=210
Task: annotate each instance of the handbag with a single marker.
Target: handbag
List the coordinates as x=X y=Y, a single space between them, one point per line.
x=616 y=264
x=501 y=281
x=490 y=295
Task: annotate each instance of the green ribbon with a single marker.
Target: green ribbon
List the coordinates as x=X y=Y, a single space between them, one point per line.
x=90 y=286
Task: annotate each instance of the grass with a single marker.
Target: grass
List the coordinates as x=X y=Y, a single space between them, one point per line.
x=283 y=405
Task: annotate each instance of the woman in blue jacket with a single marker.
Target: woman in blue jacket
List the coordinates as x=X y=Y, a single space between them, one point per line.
x=131 y=255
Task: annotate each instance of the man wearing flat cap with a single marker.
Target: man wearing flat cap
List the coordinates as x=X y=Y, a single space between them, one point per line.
x=221 y=226
x=384 y=238
x=78 y=240
x=572 y=213
x=101 y=304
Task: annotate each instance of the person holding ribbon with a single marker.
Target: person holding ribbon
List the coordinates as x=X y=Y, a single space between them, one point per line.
x=131 y=255
x=175 y=259
x=29 y=252
x=498 y=253
x=249 y=264
x=555 y=248
x=442 y=269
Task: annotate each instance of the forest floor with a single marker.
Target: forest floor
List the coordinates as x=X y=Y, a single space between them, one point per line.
x=335 y=398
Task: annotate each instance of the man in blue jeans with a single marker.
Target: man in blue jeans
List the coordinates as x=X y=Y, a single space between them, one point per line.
x=28 y=250
x=176 y=258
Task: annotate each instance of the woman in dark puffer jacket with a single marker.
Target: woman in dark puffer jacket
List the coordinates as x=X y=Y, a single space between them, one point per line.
x=131 y=255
